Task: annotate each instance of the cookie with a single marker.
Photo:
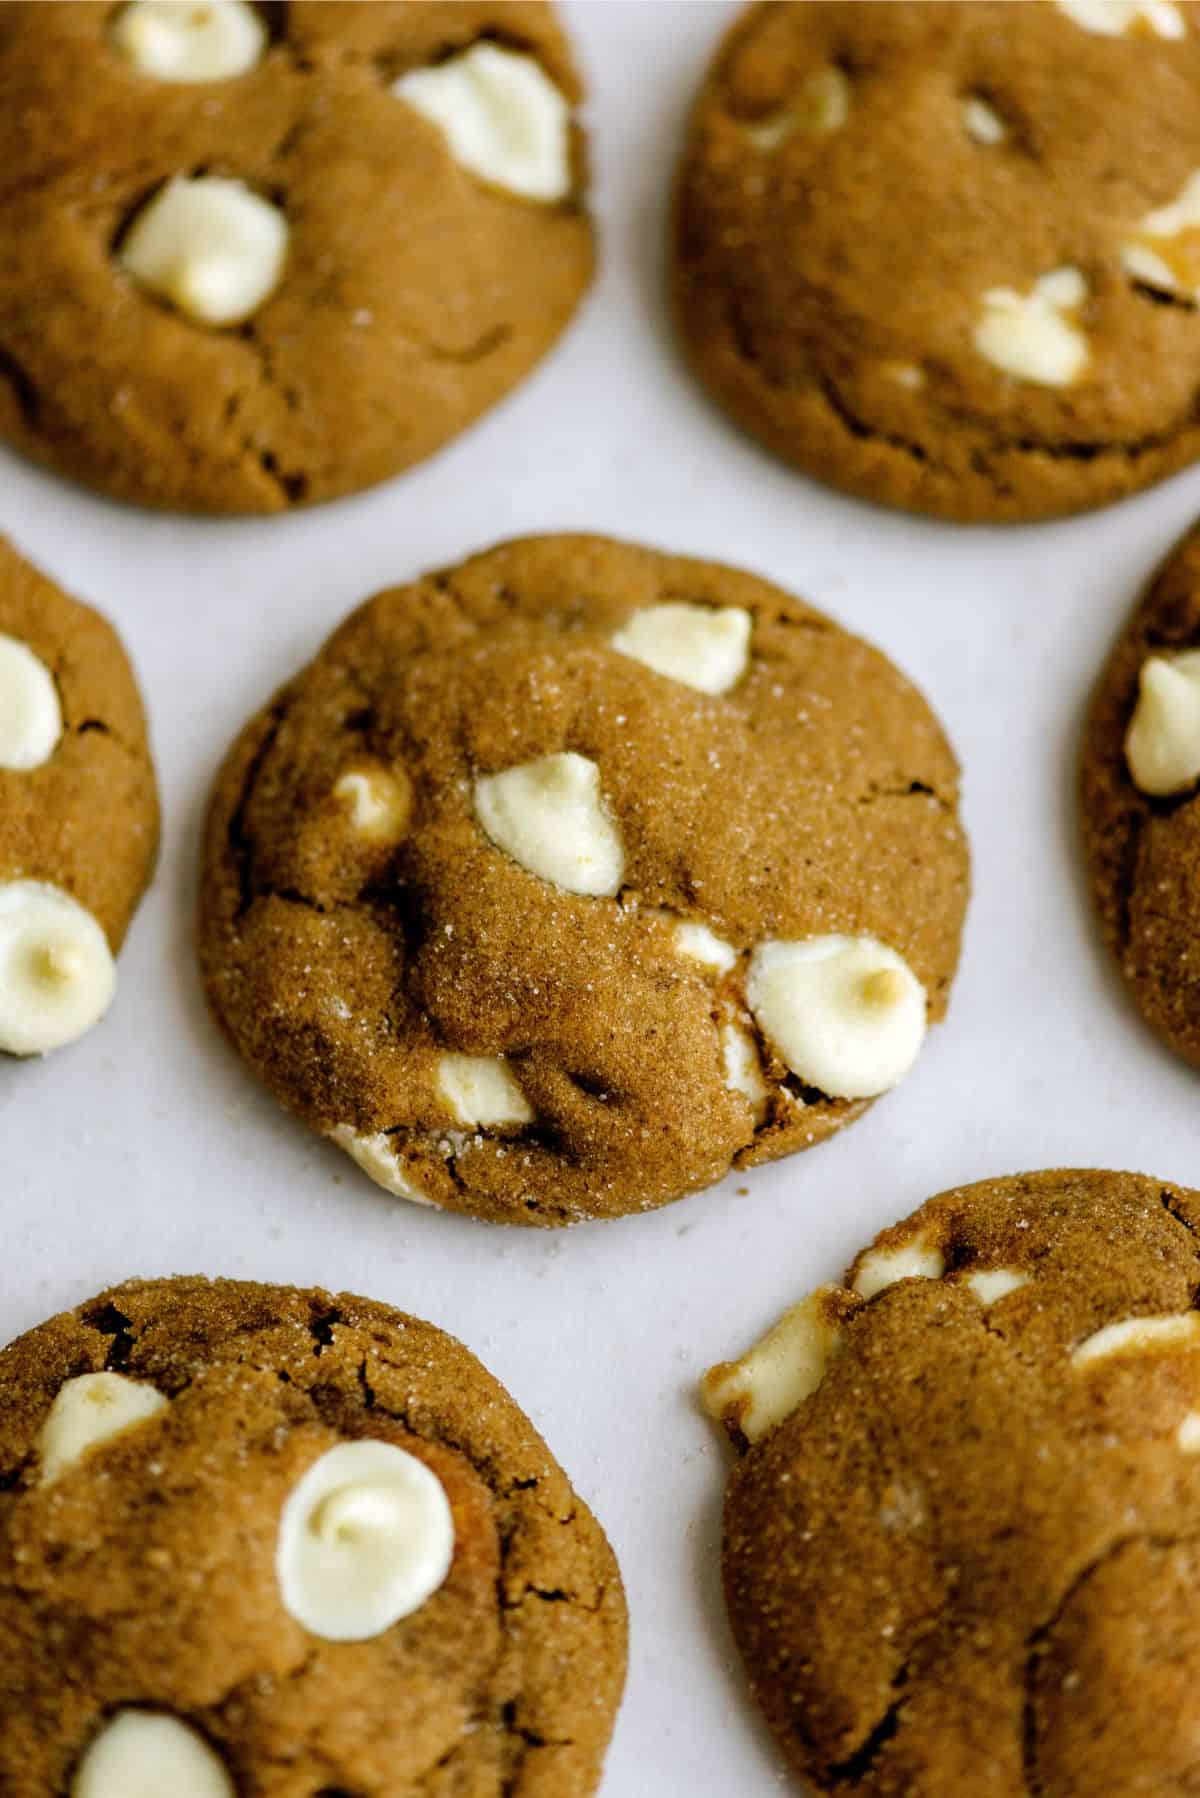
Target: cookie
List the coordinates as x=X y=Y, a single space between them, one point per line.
x=944 y=256
x=262 y=1541
x=78 y=810
x=258 y=256
x=562 y=881
x=960 y=1546
x=1138 y=800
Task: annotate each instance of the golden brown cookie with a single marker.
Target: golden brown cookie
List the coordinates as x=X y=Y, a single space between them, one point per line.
x=274 y=1544
x=78 y=810
x=1138 y=800
x=252 y=257
x=563 y=880
x=944 y=255
x=960 y=1547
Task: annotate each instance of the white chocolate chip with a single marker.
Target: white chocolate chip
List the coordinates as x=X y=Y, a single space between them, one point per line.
x=1119 y=18
x=1139 y=1336
x=57 y=974
x=781 y=1370
x=847 y=1014
x=905 y=374
x=881 y=1268
x=1162 y=744
x=89 y=1410
x=31 y=720
x=706 y=647
x=701 y=944
x=992 y=1283
x=147 y=1754
x=743 y=1069
x=1033 y=336
x=365 y=1538
x=379 y=801
x=377 y=1159
x=481 y=1089
x=982 y=122
x=210 y=246
x=502 y=117
x=190 y=40
x=1187 y=1435
x=1165 y=254
x=821 y=107
x=550 y=816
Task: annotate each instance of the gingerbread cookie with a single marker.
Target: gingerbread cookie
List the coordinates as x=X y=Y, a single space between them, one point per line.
x=1138 y=798
x=960 y=1546
x=944 y=256
x=257 y=256
x=78 y=810
x=256 y=1540
x=561 y=881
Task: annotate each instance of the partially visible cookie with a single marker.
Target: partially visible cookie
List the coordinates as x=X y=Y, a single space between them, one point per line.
x=563 y=880
x=944 y=255
x=960 y=1548
x=78 y=810
x=261 y=1541
x=254 y=256
x=1139 y=801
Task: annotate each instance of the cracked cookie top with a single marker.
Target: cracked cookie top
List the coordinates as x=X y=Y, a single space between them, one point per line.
x=206 y=1488
x=960 y=1546
x=257 y=256
x=563 y=880
x=73 y=750
x=945 y=256
x=1138 y=800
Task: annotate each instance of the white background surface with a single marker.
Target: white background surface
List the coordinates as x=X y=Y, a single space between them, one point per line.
x=147 y=1149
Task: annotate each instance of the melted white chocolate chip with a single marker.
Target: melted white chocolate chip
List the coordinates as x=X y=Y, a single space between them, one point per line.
x=701 y=944
x=821 y=106
x=881 y=1268
x=57 y=974
x=481 y=1089
x=1122 y=18
x=743 y=1068
x=982 y=122
x=705 y=647
x=1165 y=254
x=365 y=1538
x=501 y=116
x=1162 y=744
x=781 y=1370
x=847 y=1014
x=1139 y=1336
x=377 y=1159
x=89 y=1410
x=1187 y=1436
x=379 y=801
x=550 y=816
x=992 y=1283
x=190 y=40
x=31 y=721
x=1033 y=336
x=210 y=246
x=148 y=1754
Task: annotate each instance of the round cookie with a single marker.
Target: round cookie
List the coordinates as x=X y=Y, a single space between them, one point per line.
x=960 y=1549
x=943 y=256
x=562 y=881
x=1138 y=800
x=258 y=256
x=189 y=1464
x=78 y=810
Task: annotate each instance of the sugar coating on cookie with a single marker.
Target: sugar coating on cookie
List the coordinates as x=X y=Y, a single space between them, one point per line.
x=986 y=338
x=90 y=1410
x=210 y=246
x=502 y=116
x=141 y=1753
x=190 y=40
x=57 y=972
x=30 y=714
x=933 y=1477
x=332 y=1511
x=640 y=925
